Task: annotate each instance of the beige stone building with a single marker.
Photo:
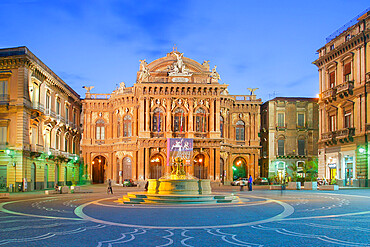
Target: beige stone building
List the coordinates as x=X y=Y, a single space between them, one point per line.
x=344 y=73
x=39 y=124
x=289 y=135
x=126 y=131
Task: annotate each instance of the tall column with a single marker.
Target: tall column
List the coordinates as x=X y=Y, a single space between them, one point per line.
x=141 y=116
x=147 y=115
x=140 y=163
x=362 y=62
x=134 y=123
x=217 y=114
x=134 y=165
x=146 y=153
x=191 y=117
x=211 y=116
x=217 y=160
x=168 y=119
x=211 y=164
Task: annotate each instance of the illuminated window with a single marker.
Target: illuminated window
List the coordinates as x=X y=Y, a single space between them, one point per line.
x=239 y=131
x=157 y=120
x=100 y=129
x=200 y=120
x=127 y=126
x=179 y=120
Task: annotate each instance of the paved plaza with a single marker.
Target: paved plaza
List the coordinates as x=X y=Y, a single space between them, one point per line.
x=260 y=218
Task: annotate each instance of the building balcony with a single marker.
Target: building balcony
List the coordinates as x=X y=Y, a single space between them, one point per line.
x=345 y=89
x=157 y=134
x=329 y=95
x=37 y=106
x=328 y=138
x=281 y=127
x=179 y=135
x=345 y=135
x=200 y=135
x=4 y=99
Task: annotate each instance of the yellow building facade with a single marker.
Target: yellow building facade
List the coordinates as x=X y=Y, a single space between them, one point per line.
x=39 y=125
x=125 y=132
x=344 y=105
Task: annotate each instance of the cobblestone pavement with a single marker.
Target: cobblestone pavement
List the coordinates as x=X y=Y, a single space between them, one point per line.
x=260 y=218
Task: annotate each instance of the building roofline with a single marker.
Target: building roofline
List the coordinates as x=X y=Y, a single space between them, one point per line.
x=23 y=50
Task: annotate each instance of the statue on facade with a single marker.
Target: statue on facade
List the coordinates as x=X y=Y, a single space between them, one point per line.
x=252 y=90
x=215 y=75
x=206 y=64
x=88 y=88
x=178 y=67
x=144 y=73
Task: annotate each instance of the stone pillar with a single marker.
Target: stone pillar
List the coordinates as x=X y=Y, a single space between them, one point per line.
x=168 y=119
x=211 y=117
x=217 y=115
x=211 y=164
x=134 y=165
x=134 y=123
x=140 y=163
x=147 y=117
x=141 y=117
x=146 y=153
x=191 y=119
x=217 y=160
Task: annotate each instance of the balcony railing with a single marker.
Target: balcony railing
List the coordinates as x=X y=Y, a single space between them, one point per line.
x=329 y=94
x=181 y=135
x=4 y=99
x=38 y=106
x=201 y=135
x=157 y=134
x=345 y=134
x=345 y=89
x=328 y=136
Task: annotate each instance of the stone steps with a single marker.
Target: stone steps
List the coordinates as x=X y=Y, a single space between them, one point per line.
x=144 y=198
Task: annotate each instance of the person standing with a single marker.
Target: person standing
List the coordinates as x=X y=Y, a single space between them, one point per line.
x=109 y=187
x=250 y=181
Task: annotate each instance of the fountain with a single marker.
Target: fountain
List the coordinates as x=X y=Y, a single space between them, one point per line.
x=177 y=187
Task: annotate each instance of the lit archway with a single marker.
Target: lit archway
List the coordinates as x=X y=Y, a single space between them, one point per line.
x=155 y=167
x=126 y=168
x=239 y=168
x=200 y=168
x=98 y=173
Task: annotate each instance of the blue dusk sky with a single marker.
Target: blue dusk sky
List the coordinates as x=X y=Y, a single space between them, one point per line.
x=266 y=44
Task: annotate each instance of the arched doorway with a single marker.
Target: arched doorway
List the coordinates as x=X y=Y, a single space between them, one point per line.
x=98 y=169
x=118 y=171
x=155 y=167
x=126 y=168
x=222 y=171
x=239 y=168
x=56 y=174
x=65 y=175
x=200 y=169
x=33 y=177
x=46 y=176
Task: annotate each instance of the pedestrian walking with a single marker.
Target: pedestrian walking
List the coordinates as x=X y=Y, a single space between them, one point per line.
x=109 y=187
x=250 y=182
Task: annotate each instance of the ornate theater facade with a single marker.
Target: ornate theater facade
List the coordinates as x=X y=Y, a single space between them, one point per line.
x=125 y=132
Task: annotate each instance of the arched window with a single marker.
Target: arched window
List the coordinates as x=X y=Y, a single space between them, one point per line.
x=200 y=120
x=66 y=143
x=222 y=126
x=179 y=120
x=239 y=131
x=127 y=126
x=100 y=130
x=301 y=147
x=157 y=120
x=118 y=126
x=281 y=147
x=57 y=140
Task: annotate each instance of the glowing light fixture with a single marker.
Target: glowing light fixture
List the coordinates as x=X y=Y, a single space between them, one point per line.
x=362 y=150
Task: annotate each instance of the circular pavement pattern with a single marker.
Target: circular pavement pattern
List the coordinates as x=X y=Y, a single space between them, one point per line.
x=260 y=218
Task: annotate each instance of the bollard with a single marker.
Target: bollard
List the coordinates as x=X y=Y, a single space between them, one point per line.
x=241 y=187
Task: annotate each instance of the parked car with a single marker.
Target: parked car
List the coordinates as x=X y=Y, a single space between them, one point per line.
x=240 y=181
x=261 y=181
x=128 y=183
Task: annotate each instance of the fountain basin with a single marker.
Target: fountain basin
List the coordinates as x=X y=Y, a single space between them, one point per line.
x=179 y=186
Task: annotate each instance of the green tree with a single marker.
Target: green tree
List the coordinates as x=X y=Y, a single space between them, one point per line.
x=294 y=168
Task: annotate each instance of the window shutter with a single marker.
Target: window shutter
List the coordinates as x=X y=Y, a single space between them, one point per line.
x=347 y=69
x=332 y=77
